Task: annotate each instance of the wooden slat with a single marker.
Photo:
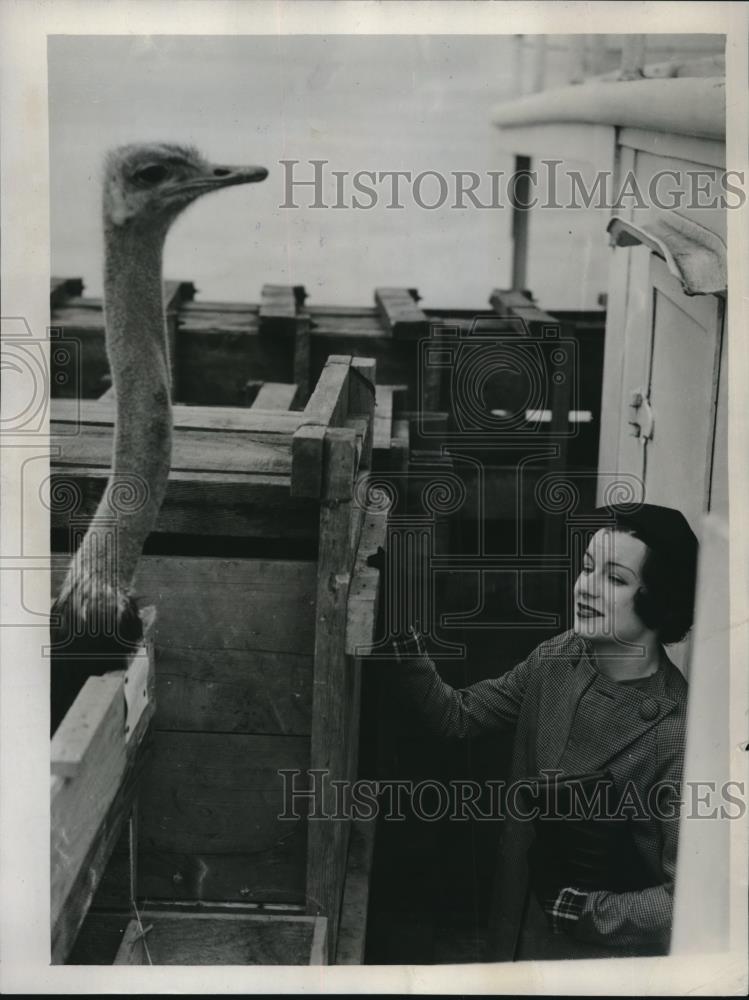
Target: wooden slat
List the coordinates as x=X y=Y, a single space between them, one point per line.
x=275 y=396
x=365 y=587
x=277 y=302
x=233 y=691
x=242 y=604
x=301 y=373
x=328 y=840
x=79 y=804
x=352 y=932
x=203 y=503
x=210 y=825
x=223 y=939
x=328 y=404
x=260 y=425
x=383 y=429
x=342 y=454
x=176 y=293
x=400 y=446
x=326 y=407
x=401 y=314
x=217 y=793
x=520 y=304
x=362 y=389
x=193 y=450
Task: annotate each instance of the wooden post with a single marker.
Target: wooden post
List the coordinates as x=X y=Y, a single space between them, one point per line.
x=175 y=293
x=399 y=311
x=520 y=220
x=327 y=837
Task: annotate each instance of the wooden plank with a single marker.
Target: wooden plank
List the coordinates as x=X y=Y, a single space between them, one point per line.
x=400 y=446
x=95 y=869
x=225 y=939
x=83 y=880
x=383 y=429
x=273 y=876
x=340 y=463
x=200 y=503
x=132 y=950
x=328 y=839
x=234 y=691
x=327 y=407
x=301 y=366
x=362 y=390
x=80 y=803
x=352 y=932
x=319 y=949
x=259 y=425
x=193 y=450
x=307 y=450
x=212 y=820
x=61 y=289
x=175 y=294
x=275 y=396
x=241 y=604
x=365 y=587
x=277 y=302
x=400 y=313
x=328 y=404
x=518 y=303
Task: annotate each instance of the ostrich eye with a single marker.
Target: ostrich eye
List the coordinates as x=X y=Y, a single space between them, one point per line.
x=152 y=174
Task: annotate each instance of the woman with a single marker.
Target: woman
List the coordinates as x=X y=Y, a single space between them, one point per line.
x=599 y=707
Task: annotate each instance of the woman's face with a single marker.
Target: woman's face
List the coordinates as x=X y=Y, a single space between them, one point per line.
x=605 y=590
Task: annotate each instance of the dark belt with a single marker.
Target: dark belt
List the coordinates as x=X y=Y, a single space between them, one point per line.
x=579 y=845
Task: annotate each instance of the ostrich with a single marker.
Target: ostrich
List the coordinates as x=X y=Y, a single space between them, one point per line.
x=96 y=623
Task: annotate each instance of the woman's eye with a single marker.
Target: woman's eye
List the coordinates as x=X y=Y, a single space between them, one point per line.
x=151 y=175
x=616 y=579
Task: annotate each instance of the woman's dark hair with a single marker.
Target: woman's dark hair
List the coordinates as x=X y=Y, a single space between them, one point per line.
x=665 y=602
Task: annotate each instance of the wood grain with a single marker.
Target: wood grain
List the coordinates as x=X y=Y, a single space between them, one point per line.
x=222 y=939
x=201 y=503
x=233 y=691
x=275 y=396
x=352 y=932
x=398 y=309
x=193 y=450
x=239 y=604
x=210 y=825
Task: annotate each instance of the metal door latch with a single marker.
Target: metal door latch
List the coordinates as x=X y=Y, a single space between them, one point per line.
x=643 y=422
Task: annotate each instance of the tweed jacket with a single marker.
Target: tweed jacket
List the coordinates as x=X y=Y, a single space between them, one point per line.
x=569 y=717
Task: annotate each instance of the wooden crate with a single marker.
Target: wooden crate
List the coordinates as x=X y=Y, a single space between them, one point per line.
x=161 y=937
x=265 y=606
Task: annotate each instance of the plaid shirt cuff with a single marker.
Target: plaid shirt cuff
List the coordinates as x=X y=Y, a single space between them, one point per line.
x=406 y=647
x=564 y=909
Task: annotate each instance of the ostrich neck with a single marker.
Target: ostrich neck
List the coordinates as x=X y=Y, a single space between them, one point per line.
x=137 y=351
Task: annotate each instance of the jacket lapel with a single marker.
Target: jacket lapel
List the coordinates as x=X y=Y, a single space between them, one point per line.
x=615 y=715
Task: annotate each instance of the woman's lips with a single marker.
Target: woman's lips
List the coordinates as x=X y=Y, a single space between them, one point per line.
x=584 y=611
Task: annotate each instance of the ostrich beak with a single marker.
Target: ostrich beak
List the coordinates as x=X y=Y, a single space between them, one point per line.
x=221 y=175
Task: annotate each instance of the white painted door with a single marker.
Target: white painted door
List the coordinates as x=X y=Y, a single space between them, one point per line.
x=681 y=393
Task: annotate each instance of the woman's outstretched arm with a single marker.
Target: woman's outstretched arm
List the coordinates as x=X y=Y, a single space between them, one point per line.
x=452 y=713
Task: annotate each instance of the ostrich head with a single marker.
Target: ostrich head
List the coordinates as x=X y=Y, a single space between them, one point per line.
x=148 y=185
